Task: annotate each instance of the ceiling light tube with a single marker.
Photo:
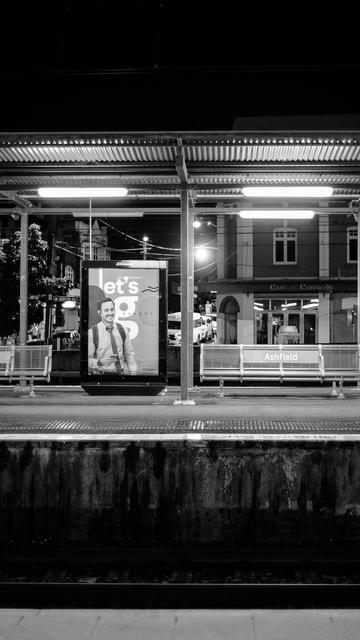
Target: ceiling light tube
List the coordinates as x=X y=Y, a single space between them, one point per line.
x=268 y=214
x=287 y=192
x=314 y=305
x=82 y=192
x=98 y=213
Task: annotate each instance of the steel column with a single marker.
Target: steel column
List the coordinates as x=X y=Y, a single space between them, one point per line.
x=187 y=302
x=24 y=277
x=357 y=218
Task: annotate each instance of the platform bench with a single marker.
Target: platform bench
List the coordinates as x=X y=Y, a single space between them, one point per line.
x=5 y=360
x=241 y=362
x=27 y=363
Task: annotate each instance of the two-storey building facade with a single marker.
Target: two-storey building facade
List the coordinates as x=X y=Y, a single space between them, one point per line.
x=273 y=274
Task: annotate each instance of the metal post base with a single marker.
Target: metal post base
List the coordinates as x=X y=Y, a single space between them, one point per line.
x=334 y=392
x=341 y=390
x=221 y=388
x=32 y=392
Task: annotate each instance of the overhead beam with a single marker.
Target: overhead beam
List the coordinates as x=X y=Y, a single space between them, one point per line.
x=14 y=197
x=180 y=165
x=24 y=223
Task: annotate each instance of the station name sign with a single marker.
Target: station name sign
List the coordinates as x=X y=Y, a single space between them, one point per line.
x=265 y=356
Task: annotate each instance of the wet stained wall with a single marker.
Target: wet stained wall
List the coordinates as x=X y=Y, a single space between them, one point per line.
x=142 y=493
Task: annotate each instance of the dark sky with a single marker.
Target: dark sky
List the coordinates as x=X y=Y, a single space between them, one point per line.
x=170 y=65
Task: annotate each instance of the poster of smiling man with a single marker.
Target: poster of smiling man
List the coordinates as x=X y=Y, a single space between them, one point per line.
x=123 y=320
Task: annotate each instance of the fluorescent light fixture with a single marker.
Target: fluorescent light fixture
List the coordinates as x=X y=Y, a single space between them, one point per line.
x=287 y=192
x=314 y=300
x=289 y=304
x=82 y=192
x=267 y=214
x=311 y=306
x=98 y=213
x=258 y=308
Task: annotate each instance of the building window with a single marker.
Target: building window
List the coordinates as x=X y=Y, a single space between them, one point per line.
x=352 y=244
x=285 y=246
x=69 y=272
x=98 y=253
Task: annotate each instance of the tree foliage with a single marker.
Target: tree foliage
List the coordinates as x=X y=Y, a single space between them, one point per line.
x=40 y=283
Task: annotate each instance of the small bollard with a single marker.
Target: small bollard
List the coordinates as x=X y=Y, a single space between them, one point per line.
x=334 y=392
x=32 y=392
x=341 y=392
x=221 y=387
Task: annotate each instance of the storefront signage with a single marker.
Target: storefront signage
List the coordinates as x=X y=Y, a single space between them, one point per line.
x=301 y=286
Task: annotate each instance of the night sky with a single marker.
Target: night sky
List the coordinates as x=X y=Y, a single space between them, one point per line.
x=170 y=65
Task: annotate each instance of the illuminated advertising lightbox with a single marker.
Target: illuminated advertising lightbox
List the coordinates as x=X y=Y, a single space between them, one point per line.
x=123 y=323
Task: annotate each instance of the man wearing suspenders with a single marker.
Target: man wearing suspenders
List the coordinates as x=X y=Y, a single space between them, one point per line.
x=109 y=345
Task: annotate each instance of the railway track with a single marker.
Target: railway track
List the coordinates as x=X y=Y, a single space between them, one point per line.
x=146 y=578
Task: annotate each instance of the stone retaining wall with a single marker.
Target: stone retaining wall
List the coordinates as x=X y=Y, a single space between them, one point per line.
x=228 y=493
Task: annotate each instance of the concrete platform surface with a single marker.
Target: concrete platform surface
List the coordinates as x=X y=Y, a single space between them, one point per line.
x=251 y=412
x=255 y=403
x=166 y=624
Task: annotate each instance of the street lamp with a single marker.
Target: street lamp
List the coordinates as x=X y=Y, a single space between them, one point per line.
x=145 y=246
x=202 y=252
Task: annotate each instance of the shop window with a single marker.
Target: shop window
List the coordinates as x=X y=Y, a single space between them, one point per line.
x=352 y=244
x=285 y=246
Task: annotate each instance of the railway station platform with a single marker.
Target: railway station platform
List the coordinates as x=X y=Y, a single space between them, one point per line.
x=43 y=624
x=246 y=412
x=275 y=467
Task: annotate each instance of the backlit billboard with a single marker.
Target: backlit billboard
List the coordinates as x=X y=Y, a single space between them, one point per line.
x=123 y=322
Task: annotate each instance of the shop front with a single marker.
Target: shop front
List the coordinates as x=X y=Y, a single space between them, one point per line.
x=288 y=312
x=274 y=318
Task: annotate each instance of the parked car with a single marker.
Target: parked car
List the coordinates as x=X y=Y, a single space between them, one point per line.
x=214 y=323
x=174 y=329
x=207 y=328
x=65 y=340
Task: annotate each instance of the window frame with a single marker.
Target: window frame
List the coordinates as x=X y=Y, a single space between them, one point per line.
x=351 y=234
x=99 y=253
x=286 y=231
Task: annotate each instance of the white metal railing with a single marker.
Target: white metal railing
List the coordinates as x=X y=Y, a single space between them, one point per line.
x=26 y=363
x=297 y=362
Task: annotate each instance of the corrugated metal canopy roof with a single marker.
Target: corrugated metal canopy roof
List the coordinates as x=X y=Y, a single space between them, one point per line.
x=218 y=164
